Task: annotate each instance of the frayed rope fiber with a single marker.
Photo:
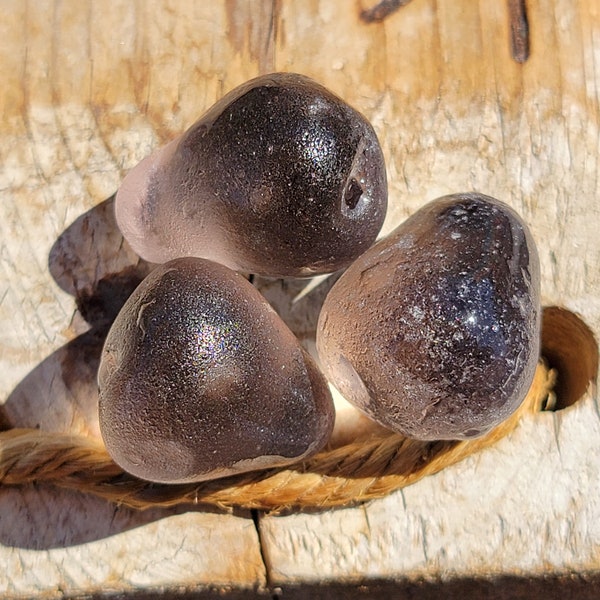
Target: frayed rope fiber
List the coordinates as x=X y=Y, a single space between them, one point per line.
x=343 y=476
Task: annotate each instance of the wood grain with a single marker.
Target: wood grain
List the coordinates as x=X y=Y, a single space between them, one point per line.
x=91 y=87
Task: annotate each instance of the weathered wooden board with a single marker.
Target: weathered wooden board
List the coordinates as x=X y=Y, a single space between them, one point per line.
x=89 y=88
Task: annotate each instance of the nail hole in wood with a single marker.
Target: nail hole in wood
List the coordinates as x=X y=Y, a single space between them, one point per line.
x=569 y=347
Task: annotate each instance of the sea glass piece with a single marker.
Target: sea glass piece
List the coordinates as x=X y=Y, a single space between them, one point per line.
x=200 y=378
x=280 y=178
x=434 y=332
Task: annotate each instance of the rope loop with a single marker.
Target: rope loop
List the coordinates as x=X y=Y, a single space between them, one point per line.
x=343 y=476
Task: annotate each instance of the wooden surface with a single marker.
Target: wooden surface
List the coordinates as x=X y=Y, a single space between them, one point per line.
x=90 y=88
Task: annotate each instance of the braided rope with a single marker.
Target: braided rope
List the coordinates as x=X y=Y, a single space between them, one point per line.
x=342 y=476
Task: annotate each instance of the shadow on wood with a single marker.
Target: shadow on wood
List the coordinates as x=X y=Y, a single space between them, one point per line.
x=91 y=261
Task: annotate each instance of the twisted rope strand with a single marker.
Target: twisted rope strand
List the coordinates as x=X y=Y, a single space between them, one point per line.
x=350 y=474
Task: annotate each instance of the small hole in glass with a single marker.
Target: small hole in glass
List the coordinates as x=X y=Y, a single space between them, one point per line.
x=353 y=193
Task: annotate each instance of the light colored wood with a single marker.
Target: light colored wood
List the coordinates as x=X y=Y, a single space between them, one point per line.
x=66 y=544
x=91 y=87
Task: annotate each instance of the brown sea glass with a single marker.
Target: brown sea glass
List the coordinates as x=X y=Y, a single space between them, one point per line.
x=280 y=177
x=434 y=332
x=200 y=378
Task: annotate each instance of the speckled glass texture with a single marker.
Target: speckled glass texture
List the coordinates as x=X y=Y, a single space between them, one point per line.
x=280 y=178
x=434 y=332
x=200 y=378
